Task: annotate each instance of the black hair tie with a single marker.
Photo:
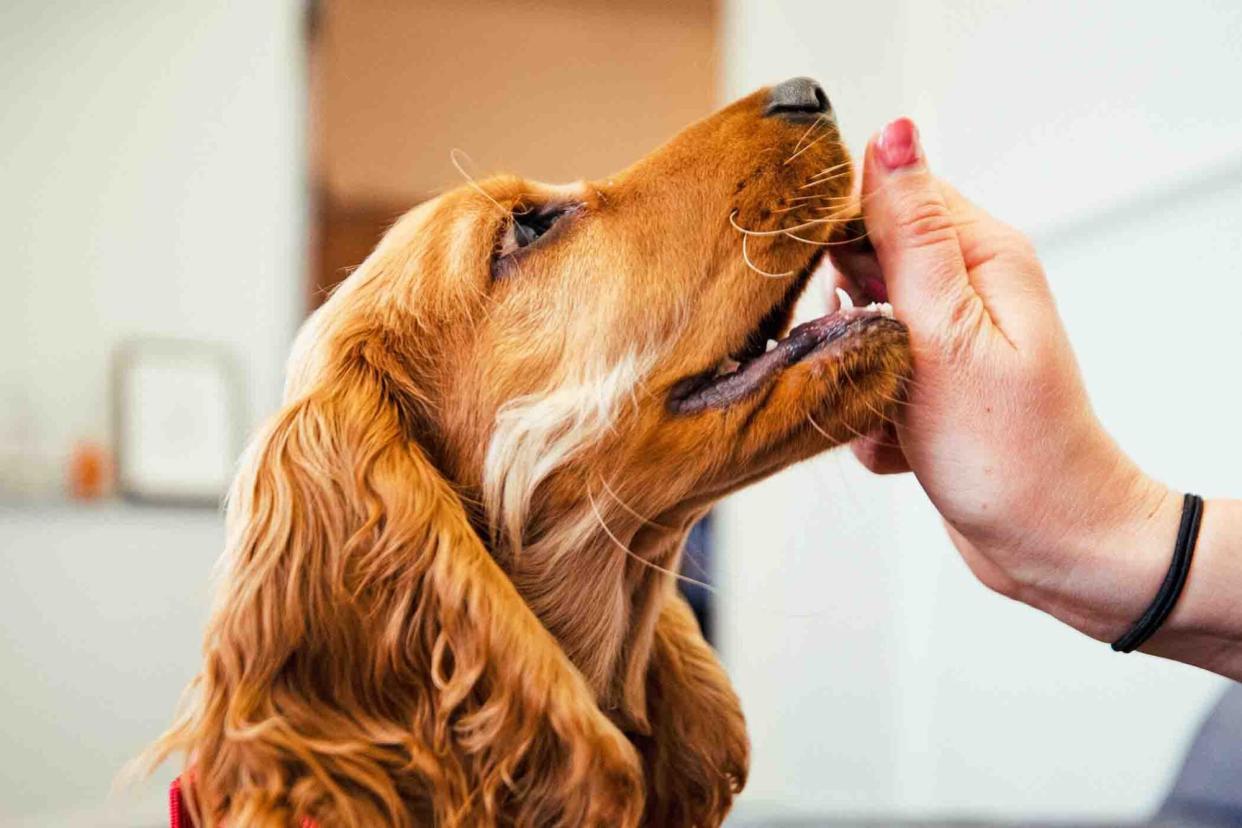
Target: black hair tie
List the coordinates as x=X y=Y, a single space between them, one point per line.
x=1162 y=605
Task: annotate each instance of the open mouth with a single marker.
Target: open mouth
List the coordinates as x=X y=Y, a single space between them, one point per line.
x=766 y=353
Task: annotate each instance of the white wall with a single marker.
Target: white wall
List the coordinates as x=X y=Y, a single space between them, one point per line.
x=101 y=615
x=877 y=675
x=151 y=156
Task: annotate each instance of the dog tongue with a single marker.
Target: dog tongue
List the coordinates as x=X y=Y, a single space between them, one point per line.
x=720 y=392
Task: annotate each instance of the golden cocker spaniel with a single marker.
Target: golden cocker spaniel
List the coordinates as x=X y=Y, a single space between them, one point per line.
x=449 y=595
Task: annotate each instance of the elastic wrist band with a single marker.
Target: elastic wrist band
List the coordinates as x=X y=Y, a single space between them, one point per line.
x=1162 y=604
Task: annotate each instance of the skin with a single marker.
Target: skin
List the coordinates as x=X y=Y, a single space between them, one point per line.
x=998 y=411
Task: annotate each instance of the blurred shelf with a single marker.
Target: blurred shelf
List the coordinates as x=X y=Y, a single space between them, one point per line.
x=109 y=508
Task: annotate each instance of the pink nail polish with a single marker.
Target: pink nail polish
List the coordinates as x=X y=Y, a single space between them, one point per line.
x=898 y=145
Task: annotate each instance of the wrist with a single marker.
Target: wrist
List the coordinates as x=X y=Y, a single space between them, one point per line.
x=1205 y=627
x=1111 y=557
x=1112 y=572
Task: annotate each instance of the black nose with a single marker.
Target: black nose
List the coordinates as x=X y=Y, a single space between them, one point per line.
x=797 y=98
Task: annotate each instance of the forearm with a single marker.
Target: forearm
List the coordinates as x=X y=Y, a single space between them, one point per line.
x=1205 y=628
x=1116 y=568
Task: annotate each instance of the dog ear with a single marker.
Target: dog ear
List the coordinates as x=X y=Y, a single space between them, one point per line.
x=368 y=662
x=697 y=753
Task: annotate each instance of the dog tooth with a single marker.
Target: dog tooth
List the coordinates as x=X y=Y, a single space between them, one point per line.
x=727 y=367
x=881 y=308
x=770 y=346
x=844 y=298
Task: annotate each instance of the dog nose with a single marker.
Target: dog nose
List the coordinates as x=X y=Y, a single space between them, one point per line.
x=797 y=98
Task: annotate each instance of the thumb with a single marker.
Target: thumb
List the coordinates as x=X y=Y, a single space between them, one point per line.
x=912 y=229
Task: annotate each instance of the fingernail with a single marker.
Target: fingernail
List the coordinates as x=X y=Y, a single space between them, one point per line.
x=898 y=145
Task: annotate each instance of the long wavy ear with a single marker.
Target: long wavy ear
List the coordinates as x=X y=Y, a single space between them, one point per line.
x=697 y=754
x=368 y=663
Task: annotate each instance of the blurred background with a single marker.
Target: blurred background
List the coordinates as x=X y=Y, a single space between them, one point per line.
x=179 y=182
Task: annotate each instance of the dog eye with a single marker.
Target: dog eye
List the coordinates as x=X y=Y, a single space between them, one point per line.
x=524 y=229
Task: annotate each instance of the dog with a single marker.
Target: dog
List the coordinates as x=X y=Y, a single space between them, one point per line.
x=449 y=593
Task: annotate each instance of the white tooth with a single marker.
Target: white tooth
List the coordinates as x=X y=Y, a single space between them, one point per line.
x=881 y=308
x=844 y=298
x=771 y=345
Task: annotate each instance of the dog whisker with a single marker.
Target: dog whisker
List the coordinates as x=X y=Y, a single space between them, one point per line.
x=804 y=207
x=837 y=243
x=829 y=180
x=453 y=153
x=617 y=542
x=702 y=570
x=822 y=197
x=757 y=269
x=818 y=120
x=829 y=169
x=862 y=395
x=634 y=513
x=807 y=147
x=810 y=419
x=838 y=171
x=848 y=428
x=816 y=181
x=909 y=380
x=778 y=231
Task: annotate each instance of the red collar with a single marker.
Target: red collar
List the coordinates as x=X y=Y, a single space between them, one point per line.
x=179 y=814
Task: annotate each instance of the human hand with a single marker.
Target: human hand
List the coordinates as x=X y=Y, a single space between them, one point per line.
x=1038 y=499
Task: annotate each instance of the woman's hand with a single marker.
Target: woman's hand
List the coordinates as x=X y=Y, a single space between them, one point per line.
x=1039 y=500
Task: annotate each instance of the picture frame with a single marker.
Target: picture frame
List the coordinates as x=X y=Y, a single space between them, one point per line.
x=176 y=421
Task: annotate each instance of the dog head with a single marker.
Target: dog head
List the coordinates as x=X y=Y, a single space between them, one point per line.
x=610 y=339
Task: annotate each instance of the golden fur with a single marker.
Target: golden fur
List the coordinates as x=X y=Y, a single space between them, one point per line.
x=448 y=596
